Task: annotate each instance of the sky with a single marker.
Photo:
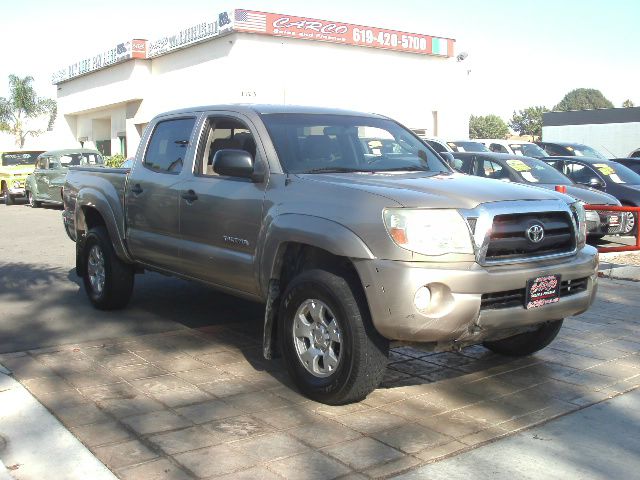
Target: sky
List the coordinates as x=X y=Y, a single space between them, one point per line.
x=520 y=53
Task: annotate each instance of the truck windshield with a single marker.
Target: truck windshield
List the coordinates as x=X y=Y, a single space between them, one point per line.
x=312 y=143
x=19 y=158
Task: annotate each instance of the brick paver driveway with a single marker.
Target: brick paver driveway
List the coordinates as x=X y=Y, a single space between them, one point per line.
x=202 y=403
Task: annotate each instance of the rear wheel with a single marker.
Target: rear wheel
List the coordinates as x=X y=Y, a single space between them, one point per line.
x=33 y=203
x=528 y=342
x=108 y=281
x=331 y=349
x=8 y=199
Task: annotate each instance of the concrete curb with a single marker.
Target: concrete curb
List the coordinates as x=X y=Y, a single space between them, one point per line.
x=37 y=443
x=620 y=272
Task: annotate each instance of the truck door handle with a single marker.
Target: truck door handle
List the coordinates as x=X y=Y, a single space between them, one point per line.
x=136 y=189
x=189 y=196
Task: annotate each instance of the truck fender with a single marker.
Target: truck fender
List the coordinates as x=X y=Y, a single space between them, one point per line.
x=92 y=198
x=303 y=229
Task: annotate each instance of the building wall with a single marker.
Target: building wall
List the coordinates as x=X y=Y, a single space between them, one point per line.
x=246 y=68
x=614 y=140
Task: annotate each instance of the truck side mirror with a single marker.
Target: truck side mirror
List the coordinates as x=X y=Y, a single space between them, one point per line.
x=234 y=163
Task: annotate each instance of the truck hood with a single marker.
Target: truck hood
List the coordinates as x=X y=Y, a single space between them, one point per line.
x=446 y=190
x=17 y=169
x=586 y=194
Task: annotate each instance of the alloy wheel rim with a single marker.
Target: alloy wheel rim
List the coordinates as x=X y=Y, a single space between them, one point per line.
x=317 y=338
x=95 y=269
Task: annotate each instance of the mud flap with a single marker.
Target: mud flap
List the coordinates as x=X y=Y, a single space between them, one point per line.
x=270 y=338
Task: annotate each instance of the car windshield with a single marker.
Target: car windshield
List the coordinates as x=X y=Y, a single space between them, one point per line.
x=468 y=147
x=318 y=143
x=585 y=151
x=527 y=149
x=617 y=173
x=71 y=159
x=19 y=158
x=531 y=170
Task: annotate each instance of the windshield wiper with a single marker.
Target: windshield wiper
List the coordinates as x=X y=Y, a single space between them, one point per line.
x=409 y=168
x=333 y=170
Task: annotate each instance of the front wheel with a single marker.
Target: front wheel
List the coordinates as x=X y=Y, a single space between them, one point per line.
x=331 y=349
x=33 y=203
x=8 y=199
x=108 y=281
x=526 y=343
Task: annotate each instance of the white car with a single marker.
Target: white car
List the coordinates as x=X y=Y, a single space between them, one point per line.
x=513 y=147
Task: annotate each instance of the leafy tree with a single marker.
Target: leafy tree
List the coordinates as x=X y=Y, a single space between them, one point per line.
x=488 y=126
x=19 y=114
x=628 y=103
x=583 y=99
x=528 y=121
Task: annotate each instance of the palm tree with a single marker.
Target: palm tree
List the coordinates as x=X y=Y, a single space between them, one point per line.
x=23 y=105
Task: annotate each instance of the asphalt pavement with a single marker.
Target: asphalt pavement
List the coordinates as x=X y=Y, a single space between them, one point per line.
x=43 y=303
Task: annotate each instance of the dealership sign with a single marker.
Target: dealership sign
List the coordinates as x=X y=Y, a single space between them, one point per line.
x=119 y=53
x=250 y=21
x=186 y=37
x=340 y=32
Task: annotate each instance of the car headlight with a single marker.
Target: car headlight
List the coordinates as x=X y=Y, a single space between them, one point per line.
x=428 y=231
x=579 y=216
x=16 y=184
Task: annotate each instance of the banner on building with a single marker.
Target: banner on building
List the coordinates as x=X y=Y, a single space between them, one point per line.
x=116 y=54
x=340 y=32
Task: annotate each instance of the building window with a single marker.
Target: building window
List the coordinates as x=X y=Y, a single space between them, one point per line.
x=104 y=147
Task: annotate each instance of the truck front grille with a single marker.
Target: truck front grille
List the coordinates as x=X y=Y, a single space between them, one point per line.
x=509 y=240
x=515 y=298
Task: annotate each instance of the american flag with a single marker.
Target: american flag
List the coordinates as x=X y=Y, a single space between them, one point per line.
x=251 y=21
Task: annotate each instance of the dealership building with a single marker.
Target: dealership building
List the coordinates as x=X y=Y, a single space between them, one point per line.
x=613 y=131
x=244 y=56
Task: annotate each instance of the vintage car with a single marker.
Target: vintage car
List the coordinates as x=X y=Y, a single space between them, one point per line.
x=46 y=182
x=14 y=168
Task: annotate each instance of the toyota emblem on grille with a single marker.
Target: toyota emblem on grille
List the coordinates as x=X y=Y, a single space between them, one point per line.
x=535 y=233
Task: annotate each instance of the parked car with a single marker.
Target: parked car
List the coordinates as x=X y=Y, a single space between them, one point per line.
x=348 y=245
x=630 y=163
x=567 y=149
x=537 y=173
x=437 y=144
x=512 y=147
x=14 y=168
x=45 y=184
x=610 y=177
x=467 y=146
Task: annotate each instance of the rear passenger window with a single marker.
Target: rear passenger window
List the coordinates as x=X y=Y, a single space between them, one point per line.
x=168 y=145
x=496 y=147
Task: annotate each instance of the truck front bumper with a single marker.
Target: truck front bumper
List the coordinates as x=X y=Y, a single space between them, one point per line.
x=456 y=311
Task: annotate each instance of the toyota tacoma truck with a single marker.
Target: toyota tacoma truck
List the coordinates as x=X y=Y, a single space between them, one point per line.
x=351 y=231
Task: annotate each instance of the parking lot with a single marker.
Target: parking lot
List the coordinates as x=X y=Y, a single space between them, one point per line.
x=175 y=386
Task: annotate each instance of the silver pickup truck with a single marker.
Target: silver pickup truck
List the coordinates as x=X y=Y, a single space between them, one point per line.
x=349 y=229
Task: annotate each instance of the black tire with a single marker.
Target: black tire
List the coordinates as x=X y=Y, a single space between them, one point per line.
x=8 y=199
x=118 y=276
x=31 y=201
x=526 y=343
x=363 y=351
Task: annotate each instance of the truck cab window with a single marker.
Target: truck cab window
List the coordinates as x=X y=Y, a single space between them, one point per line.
x=168 y=145
x=224 y=133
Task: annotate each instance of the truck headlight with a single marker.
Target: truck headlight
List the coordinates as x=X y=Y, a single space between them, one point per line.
x=16 y=184
x=428 y=231
x=580 y=217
